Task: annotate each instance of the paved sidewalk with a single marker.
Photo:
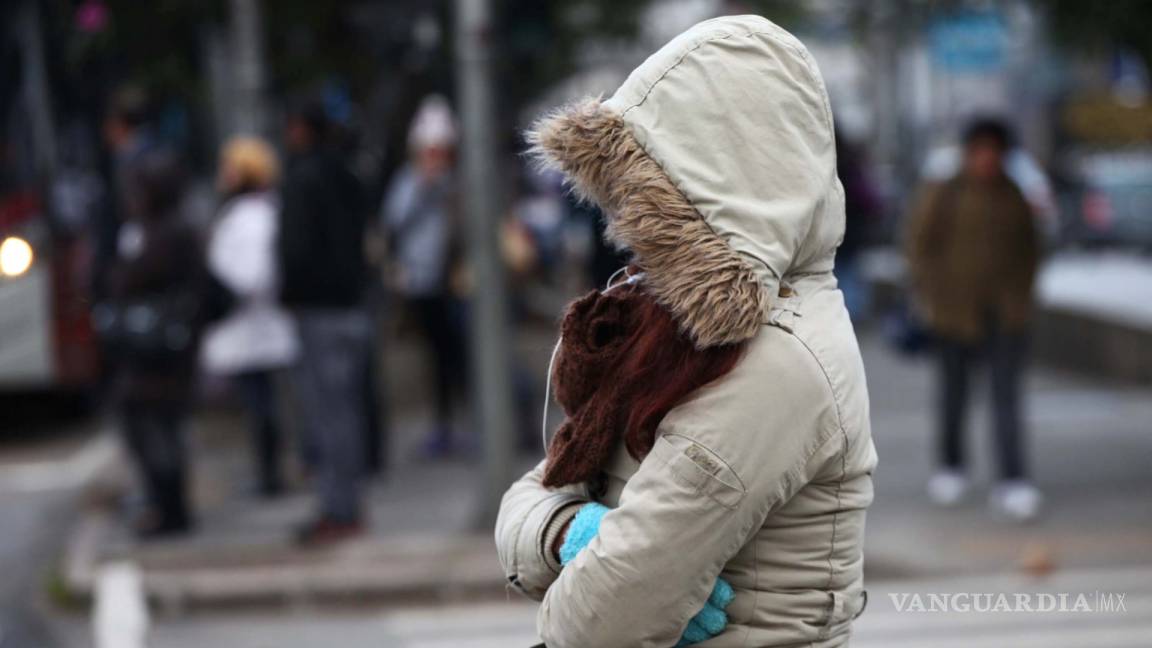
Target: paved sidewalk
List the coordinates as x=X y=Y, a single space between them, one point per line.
x=425 y=542
x=1110 y=621
x=1092 y=446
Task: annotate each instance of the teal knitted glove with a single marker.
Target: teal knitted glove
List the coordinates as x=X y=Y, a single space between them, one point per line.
x=711 y=620
x=708 y=622
x=581 y=530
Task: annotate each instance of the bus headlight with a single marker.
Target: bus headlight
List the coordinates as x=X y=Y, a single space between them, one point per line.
x=15 y=256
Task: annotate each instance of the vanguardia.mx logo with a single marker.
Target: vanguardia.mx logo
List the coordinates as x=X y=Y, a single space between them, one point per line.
x=987 y=602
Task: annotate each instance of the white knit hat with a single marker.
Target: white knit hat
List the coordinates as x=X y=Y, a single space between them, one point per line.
x=434 y=124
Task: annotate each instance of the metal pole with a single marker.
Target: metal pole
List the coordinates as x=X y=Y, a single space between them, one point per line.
x=491 y=351
x=248 y=49
x=884 y=54
x=37 y=93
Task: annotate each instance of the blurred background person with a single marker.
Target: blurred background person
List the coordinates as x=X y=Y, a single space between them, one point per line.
x=539 y=214
x=1021 y=166
x=973 y=252
x=604 y=260
x=128 y=138
x=861 y=211
x=323 y=273
x=255 y=338
x=419 y=219
x=155 y=283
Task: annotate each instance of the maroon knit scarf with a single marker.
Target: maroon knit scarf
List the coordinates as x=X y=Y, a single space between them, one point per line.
x=622 y=365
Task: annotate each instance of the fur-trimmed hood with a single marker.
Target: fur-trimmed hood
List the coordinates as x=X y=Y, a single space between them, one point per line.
x=715 y=164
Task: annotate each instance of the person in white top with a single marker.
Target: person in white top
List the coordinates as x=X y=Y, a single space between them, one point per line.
x=256 y=337
x=418 y=216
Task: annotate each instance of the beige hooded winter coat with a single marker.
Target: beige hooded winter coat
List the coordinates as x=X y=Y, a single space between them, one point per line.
x=715 y=163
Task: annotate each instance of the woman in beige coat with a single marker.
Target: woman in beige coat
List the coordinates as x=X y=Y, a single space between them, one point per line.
x=715 y=163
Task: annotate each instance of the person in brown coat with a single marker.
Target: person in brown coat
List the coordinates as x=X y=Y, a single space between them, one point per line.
x=973 y=252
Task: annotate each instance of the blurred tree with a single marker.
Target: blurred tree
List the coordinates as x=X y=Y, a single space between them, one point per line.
x=787 y=13
x=383 y=56
x=310 y=42
x=152 y=44
x=542 y=42
x=1095 y=24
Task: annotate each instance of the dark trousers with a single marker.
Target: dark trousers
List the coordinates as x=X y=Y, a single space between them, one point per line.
x=1005 y=356
x=441 y=325
x=154 y=434
x=375 y=410
x=329 y=386
x=258 y=389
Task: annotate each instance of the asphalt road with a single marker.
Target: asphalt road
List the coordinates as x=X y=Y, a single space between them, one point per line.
x=31 y=523
x=44 y=453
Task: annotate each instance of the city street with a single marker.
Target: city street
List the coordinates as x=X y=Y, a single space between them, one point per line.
x=1091 y=452
x=281 y=286
x=509 y=624
x=32 y=525
x=42 y=470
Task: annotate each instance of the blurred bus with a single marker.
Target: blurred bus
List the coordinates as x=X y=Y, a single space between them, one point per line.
x=46 y=341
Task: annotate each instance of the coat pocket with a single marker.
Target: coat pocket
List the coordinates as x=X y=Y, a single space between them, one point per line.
x=699 y=468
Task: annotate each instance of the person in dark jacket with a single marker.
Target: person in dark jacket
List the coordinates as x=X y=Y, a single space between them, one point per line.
x=861 y=207
x=129 y=139
x=323 y=273
x=158 y=261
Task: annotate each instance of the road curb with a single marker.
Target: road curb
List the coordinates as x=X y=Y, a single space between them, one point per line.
x=1067 y=335
x=399 y=570
x=1092 y=344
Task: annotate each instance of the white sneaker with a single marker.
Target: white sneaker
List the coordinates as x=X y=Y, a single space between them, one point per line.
x=1017 y=499
x=948 y=487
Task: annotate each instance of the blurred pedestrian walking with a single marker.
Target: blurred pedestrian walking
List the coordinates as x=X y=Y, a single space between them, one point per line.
x=255 y=338
x=419 y=218
x=323 y=273
x=150 y=327
x=973 y=251
x=861 y=209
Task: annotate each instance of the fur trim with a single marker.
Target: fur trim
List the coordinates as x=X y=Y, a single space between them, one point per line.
x=712 y=291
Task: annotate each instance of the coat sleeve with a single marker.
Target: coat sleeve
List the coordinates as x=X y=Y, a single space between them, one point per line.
x=240 y=251
x=171 y=257
x=1025 y=239
x=396 y=208
x=301 y=201
x=530 y=517
x=919 y=238
x=724 y=461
